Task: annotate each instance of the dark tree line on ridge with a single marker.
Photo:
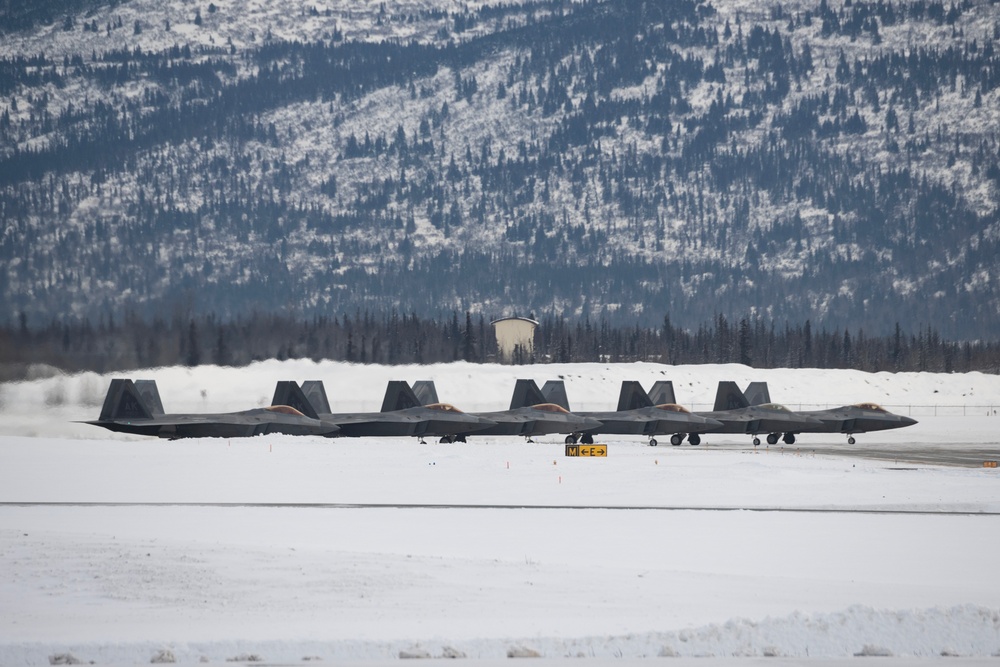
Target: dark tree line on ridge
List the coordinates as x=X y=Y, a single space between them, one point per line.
x=397 y=338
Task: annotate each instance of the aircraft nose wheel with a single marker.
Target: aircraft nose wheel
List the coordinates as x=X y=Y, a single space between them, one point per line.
x=756 y=441
x=652 y=442
x=851 y=440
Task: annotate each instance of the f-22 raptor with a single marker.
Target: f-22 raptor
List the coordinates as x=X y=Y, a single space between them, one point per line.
x=401 y=414
x=135 y=407
x=530 y=413
x=738 y=416
x=638 y=415
x=847 y=419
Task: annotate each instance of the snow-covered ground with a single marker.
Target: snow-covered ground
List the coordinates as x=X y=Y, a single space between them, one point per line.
x=115 y=548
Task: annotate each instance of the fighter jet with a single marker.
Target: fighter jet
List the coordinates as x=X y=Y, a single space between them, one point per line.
x=135 y=407
x=738 y=416
x=847 y=419
x=401 y=414
x=529 y=414
x=637 y=415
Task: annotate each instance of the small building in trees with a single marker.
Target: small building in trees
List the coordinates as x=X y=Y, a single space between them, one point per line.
x=515 y=339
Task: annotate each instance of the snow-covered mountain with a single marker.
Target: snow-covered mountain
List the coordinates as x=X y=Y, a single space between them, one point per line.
x=830 y=161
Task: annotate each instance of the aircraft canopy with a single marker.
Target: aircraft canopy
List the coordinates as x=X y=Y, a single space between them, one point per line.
x=874 y=407
x=672 y=407
x=550 y=407
x=285 y=410
x=443 y=407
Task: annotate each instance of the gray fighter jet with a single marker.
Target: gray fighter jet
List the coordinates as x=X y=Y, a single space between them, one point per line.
x=738 y=416
x=135 y=407
x=401 y=414
x=530 y=414
x=637 y=415
x=847 y=419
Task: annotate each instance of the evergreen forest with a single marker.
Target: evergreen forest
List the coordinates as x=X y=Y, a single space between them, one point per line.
x=604 y=161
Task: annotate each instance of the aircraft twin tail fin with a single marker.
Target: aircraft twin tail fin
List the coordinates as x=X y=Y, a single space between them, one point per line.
x=729 y=397
x=426 y=392
x=526 y=394
x=399 y=396
x=150 y=396
x=316 y=395
x=125 y=401
x=632 y=396
x=554 y=391
x=287 y=392
x=757 y=393
x=662 y=392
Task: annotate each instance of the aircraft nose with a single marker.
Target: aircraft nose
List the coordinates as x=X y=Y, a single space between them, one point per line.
x=907 y=421
x=590 y=423
x=330 y=429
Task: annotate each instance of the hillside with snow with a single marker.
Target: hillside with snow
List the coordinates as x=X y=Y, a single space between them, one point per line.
x=832 y=161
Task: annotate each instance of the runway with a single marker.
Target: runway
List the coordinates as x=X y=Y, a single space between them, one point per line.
x=966 y=455
x=425 y=506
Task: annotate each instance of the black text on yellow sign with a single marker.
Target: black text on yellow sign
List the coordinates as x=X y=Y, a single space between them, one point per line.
x=586 y=450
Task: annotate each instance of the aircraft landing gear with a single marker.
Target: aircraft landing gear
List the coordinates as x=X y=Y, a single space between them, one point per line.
x=851 y=440
x=653 y=442
x=587 y=439
x=676 y=439
x=694 y=439
x=756 y=441
x=772 y=438
x=789 y=439
x=571 y=439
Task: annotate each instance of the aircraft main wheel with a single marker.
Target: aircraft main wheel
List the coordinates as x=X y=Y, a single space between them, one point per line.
x=756 y=441
x=851 y=440
x=587 y=439
x=789 y=439
x=676 y=440
x=772 y=438
x=694 y=439
x=570 y=440
x=653 y=442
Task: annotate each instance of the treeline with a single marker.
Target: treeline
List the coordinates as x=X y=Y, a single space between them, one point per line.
x=398 y=338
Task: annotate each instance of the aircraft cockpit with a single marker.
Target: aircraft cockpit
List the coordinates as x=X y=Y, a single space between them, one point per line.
x=874 y=407
x=672 y=407
x=550 y=407
x=443 y=407
x=773 y=406
x=285 y=410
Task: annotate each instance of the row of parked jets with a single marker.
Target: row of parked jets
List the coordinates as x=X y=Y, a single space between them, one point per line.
x=135 y=407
